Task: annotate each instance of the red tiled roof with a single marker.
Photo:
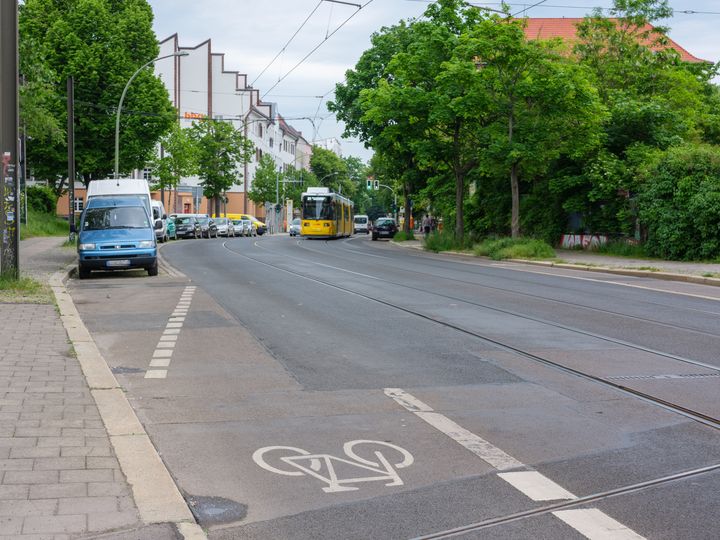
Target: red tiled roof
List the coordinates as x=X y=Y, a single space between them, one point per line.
x=547 y=28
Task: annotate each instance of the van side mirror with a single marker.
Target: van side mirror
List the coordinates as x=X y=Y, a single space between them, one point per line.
x=158 y=225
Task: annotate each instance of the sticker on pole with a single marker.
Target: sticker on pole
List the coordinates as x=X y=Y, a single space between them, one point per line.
x=368 y=461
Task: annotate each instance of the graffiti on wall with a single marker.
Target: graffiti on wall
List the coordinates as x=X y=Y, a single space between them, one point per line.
x=584 y=241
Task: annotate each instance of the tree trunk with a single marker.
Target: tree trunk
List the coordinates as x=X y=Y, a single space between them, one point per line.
x=408 y=210
x=459 y=193
x=515 y=189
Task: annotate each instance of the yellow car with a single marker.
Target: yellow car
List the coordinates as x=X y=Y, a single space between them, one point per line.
x=259 y=226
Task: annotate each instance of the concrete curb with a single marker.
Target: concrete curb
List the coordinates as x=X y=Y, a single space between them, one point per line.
x=166 y=266
x=156 y=495
x=666 y=276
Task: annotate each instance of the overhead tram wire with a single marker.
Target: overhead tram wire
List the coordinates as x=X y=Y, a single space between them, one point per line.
x=282 y=50
x=317 y=47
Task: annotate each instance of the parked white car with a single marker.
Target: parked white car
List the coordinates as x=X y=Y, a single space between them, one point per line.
x=225 y=226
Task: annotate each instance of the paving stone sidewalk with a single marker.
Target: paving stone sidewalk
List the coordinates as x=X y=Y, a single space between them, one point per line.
x=59 y=478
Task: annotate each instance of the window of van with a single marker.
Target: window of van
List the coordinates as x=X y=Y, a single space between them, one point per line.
x=361 y=219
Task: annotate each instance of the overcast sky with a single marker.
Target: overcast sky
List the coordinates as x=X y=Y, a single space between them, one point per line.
x=252 y=32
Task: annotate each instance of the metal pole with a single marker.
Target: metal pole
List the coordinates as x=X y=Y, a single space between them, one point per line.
x=71 y=154
x=9 y=122
x=122 y=98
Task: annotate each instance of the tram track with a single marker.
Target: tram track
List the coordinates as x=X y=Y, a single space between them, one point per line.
x=560 y=325
x=547 y=509
x=686 y=412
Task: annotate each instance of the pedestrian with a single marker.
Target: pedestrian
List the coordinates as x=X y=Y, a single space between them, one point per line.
x=426 y=224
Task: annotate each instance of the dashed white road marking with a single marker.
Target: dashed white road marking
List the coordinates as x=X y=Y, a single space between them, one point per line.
x=162 y=355
x=536 y=486
x=592 y=523
x=477 y=445
x=596 y=525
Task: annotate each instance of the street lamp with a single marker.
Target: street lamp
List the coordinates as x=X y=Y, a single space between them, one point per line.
x=122 y=98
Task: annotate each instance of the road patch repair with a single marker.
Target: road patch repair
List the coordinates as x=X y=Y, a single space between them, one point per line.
x=156 y=496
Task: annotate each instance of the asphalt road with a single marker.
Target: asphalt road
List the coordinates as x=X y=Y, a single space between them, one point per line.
x=355 y=389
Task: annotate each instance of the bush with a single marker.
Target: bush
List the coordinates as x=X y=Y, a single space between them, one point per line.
x=679 y=203
x=445 y=241
x=402 y=236
x=514 y=248
x=41 y=199
x=622 y=248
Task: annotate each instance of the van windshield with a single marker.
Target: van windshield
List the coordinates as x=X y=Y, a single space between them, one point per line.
x=115 y=217
x=361 y=220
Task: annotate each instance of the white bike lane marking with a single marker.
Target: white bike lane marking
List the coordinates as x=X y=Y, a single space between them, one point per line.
x=591 y=523
x=300 y=462
x=163 y=352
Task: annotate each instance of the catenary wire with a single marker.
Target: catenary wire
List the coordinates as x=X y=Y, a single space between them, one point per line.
x=316 y=48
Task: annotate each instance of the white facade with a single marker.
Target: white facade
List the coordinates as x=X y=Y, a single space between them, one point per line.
x=200 y=87
x=331 y=144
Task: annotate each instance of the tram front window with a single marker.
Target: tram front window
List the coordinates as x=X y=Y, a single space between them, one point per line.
x=318 y=208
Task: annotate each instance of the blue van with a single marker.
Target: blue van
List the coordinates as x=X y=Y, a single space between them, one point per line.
x=116 y=233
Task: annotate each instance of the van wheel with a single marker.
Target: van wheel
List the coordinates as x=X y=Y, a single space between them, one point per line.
x=153 y=270
x=83 y=273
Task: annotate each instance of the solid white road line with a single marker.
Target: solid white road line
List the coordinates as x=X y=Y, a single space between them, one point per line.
x=536 y=486
x=596 y=525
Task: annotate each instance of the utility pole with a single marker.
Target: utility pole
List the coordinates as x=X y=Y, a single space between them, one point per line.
x=71 y=154
x=9 y=121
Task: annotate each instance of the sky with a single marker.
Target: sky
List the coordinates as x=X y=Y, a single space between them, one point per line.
x=251 y=33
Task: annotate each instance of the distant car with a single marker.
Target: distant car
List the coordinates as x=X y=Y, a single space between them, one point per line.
x=248 y=228
x=225 y=226
x=171 y=229
x=361 y=224
x=186 y=227
x=208 y=229
x=384 y=227
x=295 y=227
x=259 y=227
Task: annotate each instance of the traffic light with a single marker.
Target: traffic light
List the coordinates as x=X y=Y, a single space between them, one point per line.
x=376 y=184
x=369 y=183
x=278 y=208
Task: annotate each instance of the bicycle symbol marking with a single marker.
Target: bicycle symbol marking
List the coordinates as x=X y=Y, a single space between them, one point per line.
x=325 y=467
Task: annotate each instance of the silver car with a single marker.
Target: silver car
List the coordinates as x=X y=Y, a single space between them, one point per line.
x=295 y=227
x=225 y=227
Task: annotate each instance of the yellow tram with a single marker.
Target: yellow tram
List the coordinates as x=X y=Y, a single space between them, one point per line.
x=325 y=214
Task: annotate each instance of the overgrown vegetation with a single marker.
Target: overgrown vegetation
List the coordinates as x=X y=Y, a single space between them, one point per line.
x=24 y=290
x=514 y=248
x=622 y=248
x=445 y=241
x=403 y=236
x=43 y=224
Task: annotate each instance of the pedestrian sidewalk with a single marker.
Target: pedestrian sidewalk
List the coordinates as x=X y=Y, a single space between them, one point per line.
x=708 y=273
x=59 y=476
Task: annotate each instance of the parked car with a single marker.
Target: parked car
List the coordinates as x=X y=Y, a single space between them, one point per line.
x=384 y=227
x=158 y=212
x=208 y=229
x=116 y=233
x=225 y=226
x=187 y=227
x=361 y=223
x=171 y=229
x=295 y=227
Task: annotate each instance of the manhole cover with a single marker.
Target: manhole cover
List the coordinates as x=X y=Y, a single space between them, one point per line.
x=215 y=510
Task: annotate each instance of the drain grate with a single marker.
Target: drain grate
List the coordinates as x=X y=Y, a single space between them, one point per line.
x=123 y=369
x=671 y=376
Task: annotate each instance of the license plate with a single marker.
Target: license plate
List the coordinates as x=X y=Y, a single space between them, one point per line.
x=118 y=262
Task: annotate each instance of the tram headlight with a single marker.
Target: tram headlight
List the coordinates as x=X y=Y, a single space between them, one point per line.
x=326 y=224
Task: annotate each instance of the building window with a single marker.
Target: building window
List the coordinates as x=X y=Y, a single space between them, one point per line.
x=260 y=130
x=78 y=204
x=292 y=149
x=258 y=154
x=285 y=146
x=271 y=142
x=147 y=174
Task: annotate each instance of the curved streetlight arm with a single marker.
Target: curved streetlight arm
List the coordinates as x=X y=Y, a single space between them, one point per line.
x=122 y=98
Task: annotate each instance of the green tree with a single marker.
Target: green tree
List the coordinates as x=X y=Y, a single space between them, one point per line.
x=331 y=171
x=100 y=43
x=222 y=150
x=266 y=182
x=178 y=158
